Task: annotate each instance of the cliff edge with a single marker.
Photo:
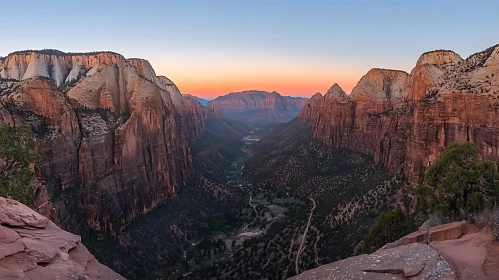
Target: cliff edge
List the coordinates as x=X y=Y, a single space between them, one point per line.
x=32 y=247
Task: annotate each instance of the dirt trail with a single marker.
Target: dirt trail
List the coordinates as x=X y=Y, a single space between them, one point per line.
x=300 y=250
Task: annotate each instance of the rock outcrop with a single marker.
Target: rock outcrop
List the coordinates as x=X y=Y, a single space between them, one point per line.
x=32 y=247
x=112 y=137
x=451 y=251
x=407 y=120
x=258 y=107
x=416 y=261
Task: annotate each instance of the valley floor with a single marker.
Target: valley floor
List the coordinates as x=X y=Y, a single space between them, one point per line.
x=267 y=209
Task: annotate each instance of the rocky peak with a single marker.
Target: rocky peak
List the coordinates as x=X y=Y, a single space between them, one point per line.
x=32 y=247
x=93 y=130
x=335 y=94
x=309 y=112
x=316 y=98
x=407 y=120
x=167 y=85
x=144 y=68
x=61 y=67
x=381 y=85
x=439 y=57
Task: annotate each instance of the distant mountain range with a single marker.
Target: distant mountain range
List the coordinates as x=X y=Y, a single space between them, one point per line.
x=258 y=107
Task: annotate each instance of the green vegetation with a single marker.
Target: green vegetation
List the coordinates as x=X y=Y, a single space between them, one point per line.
x=17 y=151
x=389 y=227
x=459 y=182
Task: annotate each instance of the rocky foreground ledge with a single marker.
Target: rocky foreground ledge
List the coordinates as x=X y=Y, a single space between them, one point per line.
x=451 y=251
x=32 y=247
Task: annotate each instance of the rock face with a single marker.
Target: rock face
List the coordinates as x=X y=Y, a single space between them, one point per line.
x=32 y=247
x=203 y=101
x=455 y=251
x=258 y=107
x=415 y=261
x=407 y=120
x=112 y=137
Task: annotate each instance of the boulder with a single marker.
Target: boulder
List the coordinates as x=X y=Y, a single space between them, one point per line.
x=15 y=214
x=32 y=247
x=415 y=237
x=415 y=261
x=446 y=232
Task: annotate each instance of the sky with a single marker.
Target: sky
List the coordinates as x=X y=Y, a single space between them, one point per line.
x=211 y=48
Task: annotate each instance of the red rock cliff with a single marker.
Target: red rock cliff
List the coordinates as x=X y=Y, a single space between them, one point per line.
x=407 y=120
x=258 y=107
x=113 y=144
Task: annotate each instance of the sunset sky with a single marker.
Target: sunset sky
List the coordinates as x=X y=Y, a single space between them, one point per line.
x=210 y=48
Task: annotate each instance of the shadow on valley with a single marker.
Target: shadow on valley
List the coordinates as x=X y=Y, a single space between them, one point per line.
x=244 y=214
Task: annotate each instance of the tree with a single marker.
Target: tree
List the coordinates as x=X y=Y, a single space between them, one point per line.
x=389 y=227
x=457 y=181
x=17 y=152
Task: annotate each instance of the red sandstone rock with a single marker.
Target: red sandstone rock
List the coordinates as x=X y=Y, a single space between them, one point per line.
x=32 y=247
x=415 y=261
x=456 y=255
x=406 y=121
x=446 y=232
x=107 y=129
x=258 y=107
x=474 y=256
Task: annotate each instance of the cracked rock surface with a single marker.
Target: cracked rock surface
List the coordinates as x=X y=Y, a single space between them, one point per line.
x=455 y=251
x=414 y=261
x=32 y=247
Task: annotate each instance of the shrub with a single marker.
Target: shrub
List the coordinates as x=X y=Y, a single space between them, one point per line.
x=389 y=227
x=17 y=151
x=490 y=219
x=459 y=181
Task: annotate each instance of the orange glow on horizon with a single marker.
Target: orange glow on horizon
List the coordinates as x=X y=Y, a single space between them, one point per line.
x=212 y=76
x=292 y=88
x=210 y=86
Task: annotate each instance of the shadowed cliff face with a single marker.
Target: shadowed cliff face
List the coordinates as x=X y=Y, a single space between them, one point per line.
x=112 y=141
x=258 y=107
x=407 y=120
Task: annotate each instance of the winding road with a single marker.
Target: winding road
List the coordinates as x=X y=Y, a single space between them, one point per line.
x=300 y=250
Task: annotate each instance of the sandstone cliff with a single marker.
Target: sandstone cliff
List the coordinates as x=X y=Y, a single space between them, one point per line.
x=407 y=120
x=258 y=107
x=112 y=137
x=32 y=247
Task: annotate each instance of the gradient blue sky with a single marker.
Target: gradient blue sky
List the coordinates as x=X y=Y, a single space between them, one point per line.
x=210 y=48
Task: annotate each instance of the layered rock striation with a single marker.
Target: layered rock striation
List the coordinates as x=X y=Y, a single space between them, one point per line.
x=258 y=107
x=407 y=120
x=32 y=247
x=112 y=136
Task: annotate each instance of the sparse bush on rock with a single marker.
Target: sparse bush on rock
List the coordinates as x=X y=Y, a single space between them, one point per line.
x=17 y=152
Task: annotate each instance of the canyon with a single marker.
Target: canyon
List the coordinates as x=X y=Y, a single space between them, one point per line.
x=157 y=184
x=258 y=108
